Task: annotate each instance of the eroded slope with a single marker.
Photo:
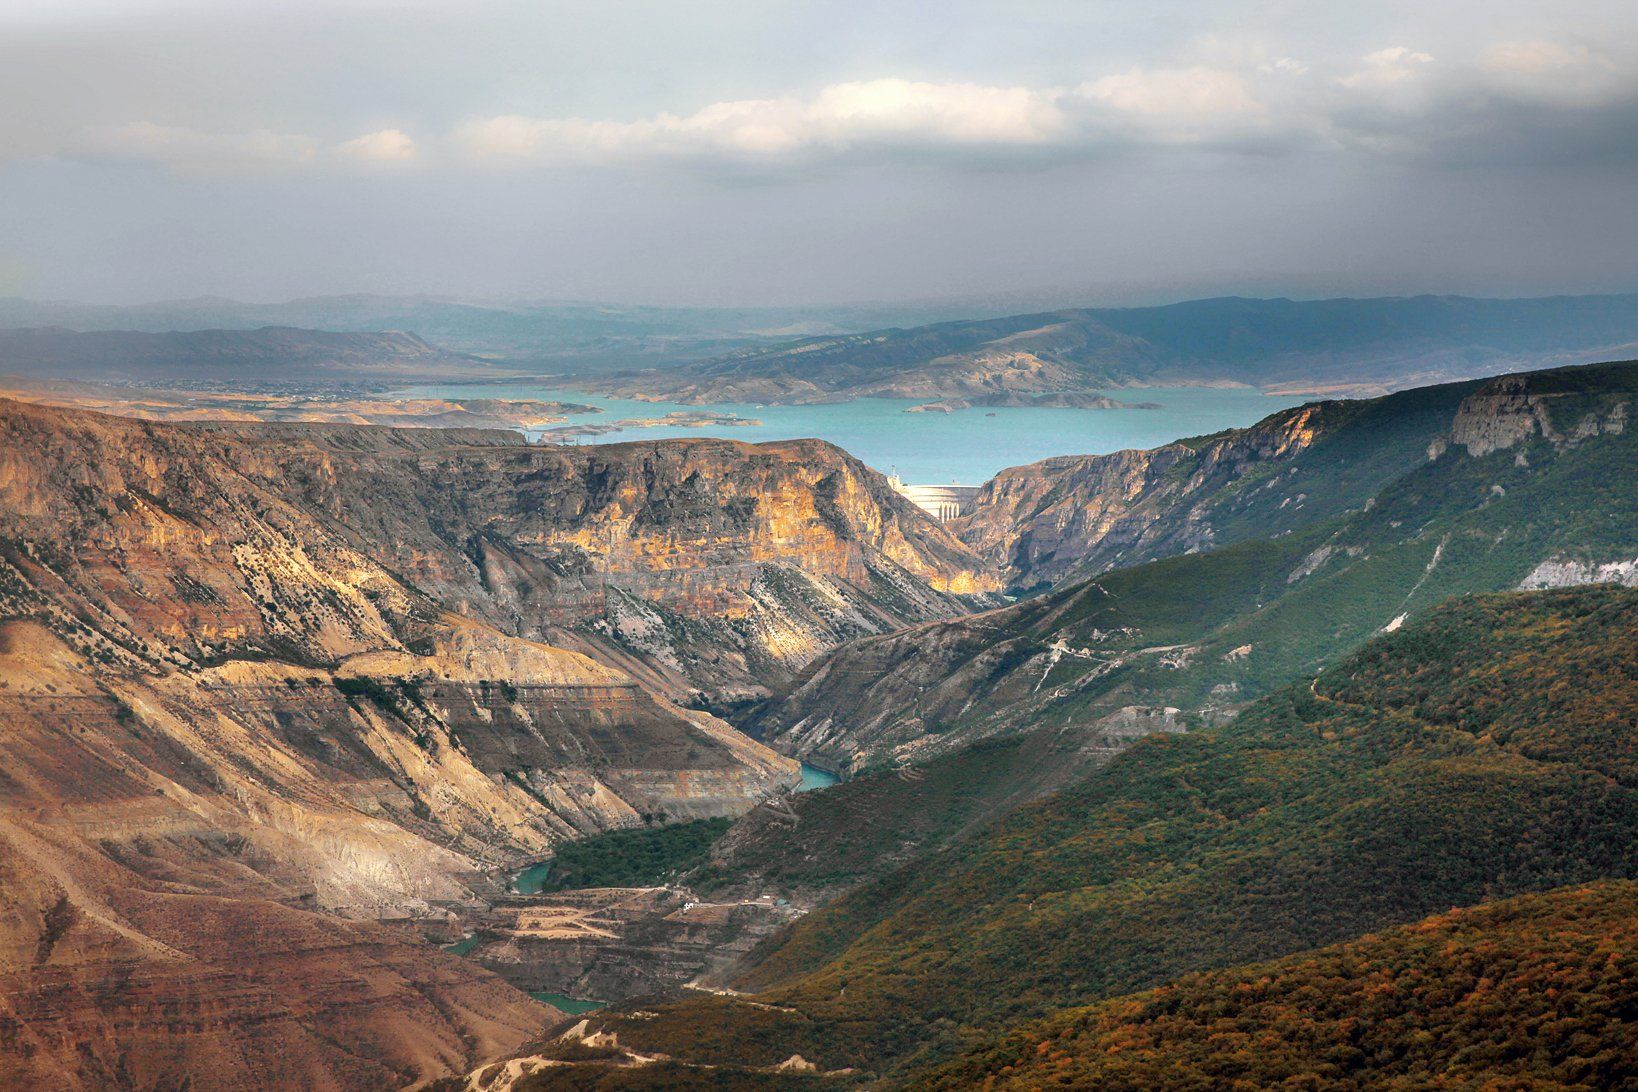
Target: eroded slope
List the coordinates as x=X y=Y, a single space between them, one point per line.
x=228 y=728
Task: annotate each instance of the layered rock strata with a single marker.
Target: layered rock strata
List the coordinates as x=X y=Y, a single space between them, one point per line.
x=704 y=567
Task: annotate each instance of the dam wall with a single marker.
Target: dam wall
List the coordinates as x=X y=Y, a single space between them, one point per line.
x=942 y=502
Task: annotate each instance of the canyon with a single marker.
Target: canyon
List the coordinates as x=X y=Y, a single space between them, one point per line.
x=708 y=569
x=1272 y=548
x=287 y=682
x=288 y=703
x=1481 y=756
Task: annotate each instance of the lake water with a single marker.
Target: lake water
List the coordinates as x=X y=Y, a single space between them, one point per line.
x=574 y=1006
x=532 y=879
x=815 y=778
x=967 y=446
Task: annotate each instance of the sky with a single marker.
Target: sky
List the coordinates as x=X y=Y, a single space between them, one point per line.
x=725 y=153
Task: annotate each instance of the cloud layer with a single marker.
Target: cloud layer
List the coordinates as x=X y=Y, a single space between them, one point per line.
x=1535 y=100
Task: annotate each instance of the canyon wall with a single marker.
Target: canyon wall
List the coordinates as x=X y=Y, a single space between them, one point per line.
x=1079 y=515
x=704 y=567
x=267 y=688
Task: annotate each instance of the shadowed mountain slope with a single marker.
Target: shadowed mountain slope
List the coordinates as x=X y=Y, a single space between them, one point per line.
x=1080 y=515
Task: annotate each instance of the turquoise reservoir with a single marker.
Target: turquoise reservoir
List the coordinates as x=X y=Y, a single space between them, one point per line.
x=574 y=1006
x=966 y=447
x=532 y=879
x=815 y=778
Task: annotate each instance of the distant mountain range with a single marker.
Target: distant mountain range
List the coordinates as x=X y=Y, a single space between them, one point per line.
x=1341 y=346
x=528 y=335
x=272 y=354
x=802 y=355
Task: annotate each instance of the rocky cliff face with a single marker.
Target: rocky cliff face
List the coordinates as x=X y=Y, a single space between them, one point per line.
x=1080 y=515
x=702 y=566
x=1563 y=408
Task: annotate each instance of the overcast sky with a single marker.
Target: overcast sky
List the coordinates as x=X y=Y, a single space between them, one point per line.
x=765 y=152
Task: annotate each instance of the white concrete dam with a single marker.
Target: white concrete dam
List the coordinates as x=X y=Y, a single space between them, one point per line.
x=942 y=502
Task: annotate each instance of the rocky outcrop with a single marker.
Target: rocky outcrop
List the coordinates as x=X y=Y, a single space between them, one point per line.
x=1499 y=417
x=1559 y=408
x=1566 y=573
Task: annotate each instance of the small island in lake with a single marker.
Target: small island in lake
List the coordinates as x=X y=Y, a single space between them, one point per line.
x=675 y=419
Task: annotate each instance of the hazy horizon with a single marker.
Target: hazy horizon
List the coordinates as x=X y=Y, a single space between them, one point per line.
x=998 y=305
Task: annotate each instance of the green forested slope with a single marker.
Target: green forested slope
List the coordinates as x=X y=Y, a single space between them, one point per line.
x=811 y=846
x=1539 y=991
x=1485 y=751
x=640 y=857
